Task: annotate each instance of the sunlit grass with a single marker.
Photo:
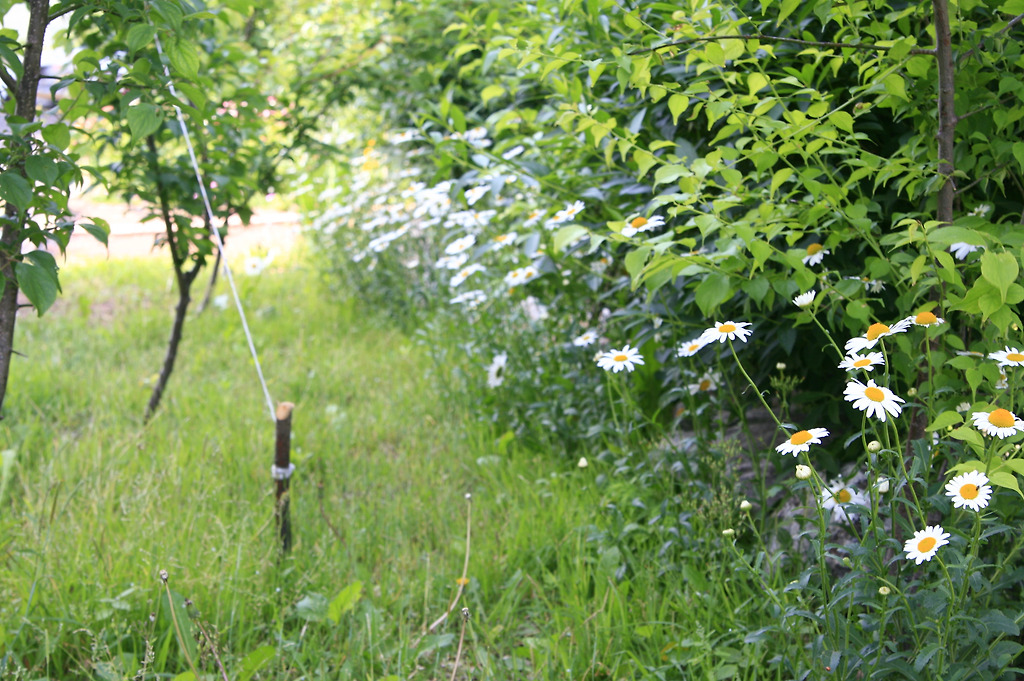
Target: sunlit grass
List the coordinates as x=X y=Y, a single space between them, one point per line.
x=96 y=502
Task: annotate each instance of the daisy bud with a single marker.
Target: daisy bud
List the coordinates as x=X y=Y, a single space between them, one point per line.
x=746 y=505
x=802 y=472
x=911 y=391
x=884 y=591
x=874 y=446
x=781 y=366
x=882 y=484
x=728 y=533
x=582 y=463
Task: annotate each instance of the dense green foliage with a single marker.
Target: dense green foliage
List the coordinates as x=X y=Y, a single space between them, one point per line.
x=765 y=217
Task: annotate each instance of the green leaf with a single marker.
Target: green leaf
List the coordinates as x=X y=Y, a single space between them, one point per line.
x=42 y=169
x=15 y=190
x=37 y=278
x=842 y=120
x=567 y=235
x=677 y=105
x=635 y=261
x=756 y=82
x=779 y=177
x=254 y=660
x=184 y=58
x=139 y=36
x=58 y=135
x=1000 y=270
x=344 y=601
x=712 y=292
x=1018 y=153
x=491 y=92
x=969 y=435
x=787 y=8
x=945 y=420
x=1005 y=480
x=644 y=160
x=144 y=120
x=99 y=229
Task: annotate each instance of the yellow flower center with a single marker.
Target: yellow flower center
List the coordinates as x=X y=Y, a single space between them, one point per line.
x=861 y=363
x=637 y=223
x=969 y=491
x=925 y=318
x=620 y=357
x=813 y=248
x=874 y=394
x=727 y=328
x=1015 y=357
x=876 y=330
x=926 y=545
x=800 y=437
x=704 y=385
x=1001 y=418
x=844 y=496
x=693 y=347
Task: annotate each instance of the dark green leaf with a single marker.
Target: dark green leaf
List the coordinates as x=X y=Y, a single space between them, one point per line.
x=37 y=278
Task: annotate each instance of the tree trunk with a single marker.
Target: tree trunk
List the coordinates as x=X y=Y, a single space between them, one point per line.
x=172 y=349
x=11 y=233
x=947 y=112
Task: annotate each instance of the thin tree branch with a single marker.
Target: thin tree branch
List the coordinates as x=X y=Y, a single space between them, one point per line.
x=778 y=39
x=967 y=187
x=1009 y=24
x=8 y=80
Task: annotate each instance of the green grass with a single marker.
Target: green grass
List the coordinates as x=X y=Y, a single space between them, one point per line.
x=95 y=503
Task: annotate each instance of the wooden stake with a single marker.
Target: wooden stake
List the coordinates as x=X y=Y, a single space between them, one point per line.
x=282 y=462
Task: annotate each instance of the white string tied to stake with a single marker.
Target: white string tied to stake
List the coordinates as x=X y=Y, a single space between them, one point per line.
x=278 y=473
x=216 y=233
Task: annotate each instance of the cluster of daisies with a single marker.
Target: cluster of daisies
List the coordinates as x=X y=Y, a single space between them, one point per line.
x=968 y=490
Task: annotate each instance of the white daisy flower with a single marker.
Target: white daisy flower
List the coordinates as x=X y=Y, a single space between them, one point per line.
x=566 y=214
x=1010 y=357
x=452 y=262
x=801 y=441
x=731 y=330
x=513 y=152
x=874 y=399
x=961 y=250
x=639 y=223
x=521 y=275
x=496 y=371
x=617 y=360
x=866 y=362
x=815 y=254
x=584 y=339
x=461 y=244
x=969 y=490
x=474 y=194
x=925 y=318
x=804 y=299
x=464 y=274
x=999 y=423
x=534 y=310
x=874 y=332
x=505 y=239
x=835 y=498
x=469 y=298
x=691 y=347
x=533 y=217
x=925 y=543
x=707 y=383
